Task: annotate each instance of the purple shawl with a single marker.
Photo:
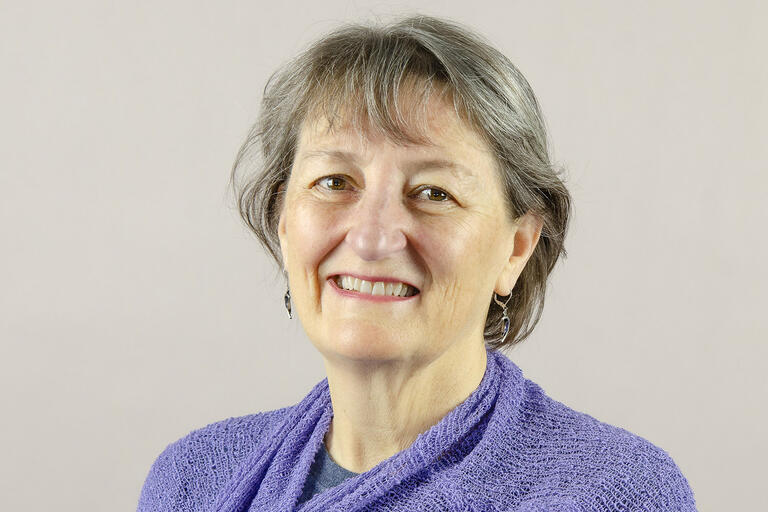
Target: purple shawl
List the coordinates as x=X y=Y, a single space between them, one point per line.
x=508 y=446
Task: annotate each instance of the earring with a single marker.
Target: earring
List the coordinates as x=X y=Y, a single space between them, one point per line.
x=505 y=318
x=288 y=301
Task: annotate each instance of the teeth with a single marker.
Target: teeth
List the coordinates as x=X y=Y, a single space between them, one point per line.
x=377 y=288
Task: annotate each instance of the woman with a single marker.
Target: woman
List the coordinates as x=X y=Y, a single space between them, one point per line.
x=407 y=193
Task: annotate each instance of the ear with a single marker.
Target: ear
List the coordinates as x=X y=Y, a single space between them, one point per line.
x=526 y=236
x=281 y=231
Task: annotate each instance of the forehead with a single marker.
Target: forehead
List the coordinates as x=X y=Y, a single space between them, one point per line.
x=437 y=133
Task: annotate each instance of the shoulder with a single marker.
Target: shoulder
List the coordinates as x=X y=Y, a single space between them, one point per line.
x=602 y=466
x=188 y=473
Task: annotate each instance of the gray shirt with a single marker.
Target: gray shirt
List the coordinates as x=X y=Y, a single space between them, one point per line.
x=323 y=474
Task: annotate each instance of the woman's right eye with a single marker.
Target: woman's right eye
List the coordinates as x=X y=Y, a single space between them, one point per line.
x=333 y=182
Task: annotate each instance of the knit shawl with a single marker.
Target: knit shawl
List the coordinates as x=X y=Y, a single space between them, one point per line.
x=507 y=446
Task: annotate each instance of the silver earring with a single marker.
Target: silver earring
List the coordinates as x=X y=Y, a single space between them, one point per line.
x=288 y=301
x=505 y=318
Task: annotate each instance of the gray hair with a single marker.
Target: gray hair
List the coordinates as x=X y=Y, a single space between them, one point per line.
x=360 y=70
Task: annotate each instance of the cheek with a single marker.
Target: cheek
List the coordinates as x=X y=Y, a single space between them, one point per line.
x=458 y=258
x=310 y=231
x=458 y=253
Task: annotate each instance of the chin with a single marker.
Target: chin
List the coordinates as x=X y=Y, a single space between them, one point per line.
x=370 y=344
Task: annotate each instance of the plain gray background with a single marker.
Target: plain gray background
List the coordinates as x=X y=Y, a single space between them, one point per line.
x=135 y=307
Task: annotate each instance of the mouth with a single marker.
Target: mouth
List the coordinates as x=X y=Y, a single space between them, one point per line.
x=383 y=289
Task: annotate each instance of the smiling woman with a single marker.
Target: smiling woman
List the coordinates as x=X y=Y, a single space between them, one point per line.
x=406 y=191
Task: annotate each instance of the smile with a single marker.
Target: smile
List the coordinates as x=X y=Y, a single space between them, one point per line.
x=377 y=291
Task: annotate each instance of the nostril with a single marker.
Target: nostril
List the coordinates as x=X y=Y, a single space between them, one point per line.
x=377 y=241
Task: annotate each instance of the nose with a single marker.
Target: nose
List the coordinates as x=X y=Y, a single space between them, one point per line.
x=376 y=231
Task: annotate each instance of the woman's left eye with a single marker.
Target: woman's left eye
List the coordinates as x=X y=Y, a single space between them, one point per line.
x=435 y=194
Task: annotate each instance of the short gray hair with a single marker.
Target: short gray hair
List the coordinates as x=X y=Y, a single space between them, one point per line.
x=360 y=69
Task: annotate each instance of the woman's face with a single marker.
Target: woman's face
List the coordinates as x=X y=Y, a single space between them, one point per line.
x=370 y=208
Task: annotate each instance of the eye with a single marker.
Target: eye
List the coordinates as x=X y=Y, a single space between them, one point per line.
x=435 y=195
x=334 y=182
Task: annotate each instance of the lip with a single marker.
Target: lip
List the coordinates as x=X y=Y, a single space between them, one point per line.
x=367 y=296
x=373 y=279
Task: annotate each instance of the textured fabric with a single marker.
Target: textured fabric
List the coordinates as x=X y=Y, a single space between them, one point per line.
x=323 y=474
x=508 y=446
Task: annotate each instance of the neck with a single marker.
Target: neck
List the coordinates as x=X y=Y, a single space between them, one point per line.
x=380 y=410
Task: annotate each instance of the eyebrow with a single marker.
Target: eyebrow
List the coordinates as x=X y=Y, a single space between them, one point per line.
x=455 y=168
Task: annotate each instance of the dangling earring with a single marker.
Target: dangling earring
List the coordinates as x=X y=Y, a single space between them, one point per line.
x=504 y=318
x=288 y=301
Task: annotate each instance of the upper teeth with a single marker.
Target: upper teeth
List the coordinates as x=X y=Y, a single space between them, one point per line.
x=376 y=287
